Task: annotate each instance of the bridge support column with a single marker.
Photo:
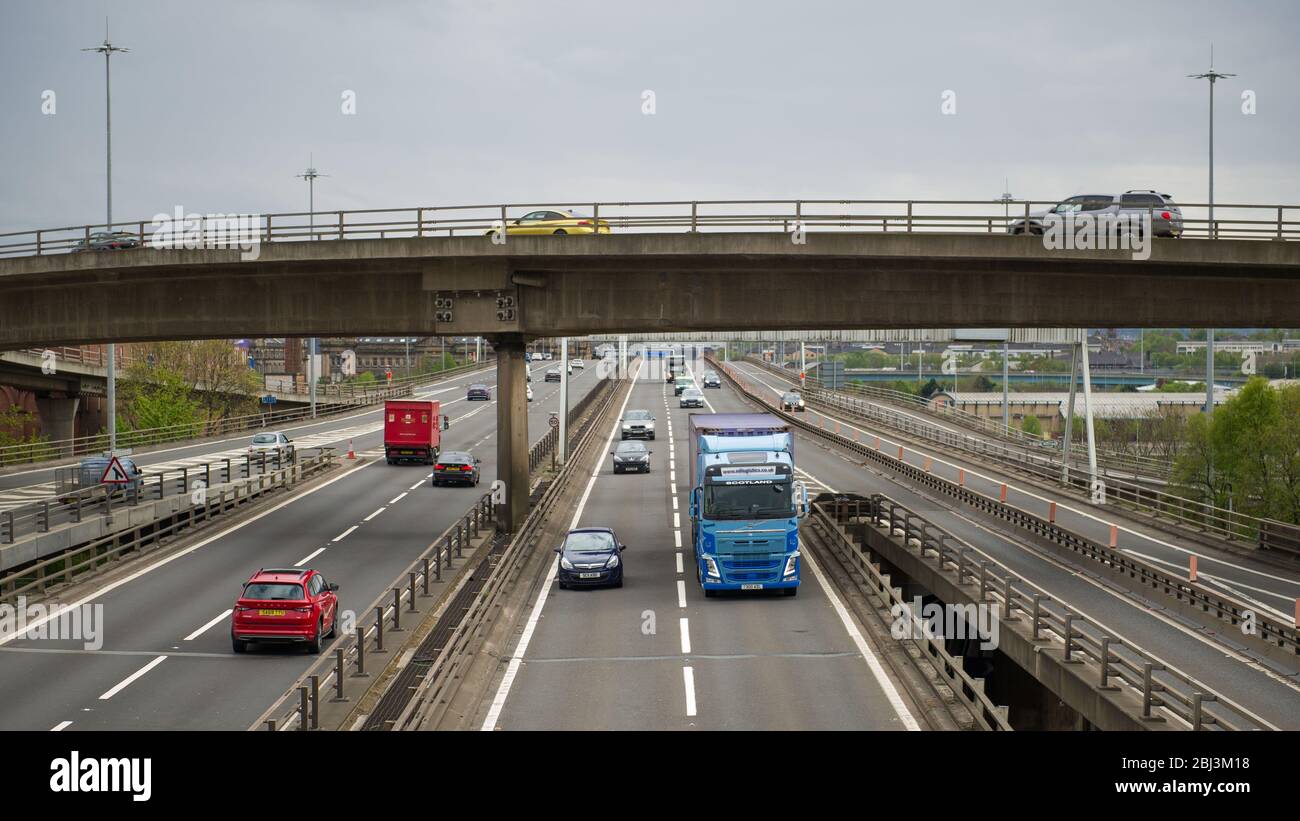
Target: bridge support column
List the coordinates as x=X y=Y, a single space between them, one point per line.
x=512 y=431
x=58 y=420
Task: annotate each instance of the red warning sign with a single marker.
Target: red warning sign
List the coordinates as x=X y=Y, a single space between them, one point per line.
x=114 y=474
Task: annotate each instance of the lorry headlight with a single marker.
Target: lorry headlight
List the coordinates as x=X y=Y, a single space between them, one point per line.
x=565 y=563
x=613 y=562
x=711 y=567
x=791 y=563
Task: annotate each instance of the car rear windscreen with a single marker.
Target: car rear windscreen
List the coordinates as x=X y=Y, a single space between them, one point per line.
x=273 y=591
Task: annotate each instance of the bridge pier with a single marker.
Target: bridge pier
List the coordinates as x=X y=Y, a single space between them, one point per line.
x=512 y=430
x=58 y=418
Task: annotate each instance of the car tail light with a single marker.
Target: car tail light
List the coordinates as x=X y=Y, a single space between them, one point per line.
x=584 y=222
x=439 y=467
x=1164 y=215
x=300 y=609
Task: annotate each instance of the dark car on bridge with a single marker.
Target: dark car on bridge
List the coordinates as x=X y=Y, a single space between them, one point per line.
x=553 y=375
x=589 y=557
x=478 y=392
x=455 y=466
x=286 y=606
x=793 y=402
x=631 y=456
x=710 y=380
x=107 y=241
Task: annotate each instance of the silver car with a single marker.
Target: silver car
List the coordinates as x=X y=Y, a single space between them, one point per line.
x=1166 y=216
x=270 y=444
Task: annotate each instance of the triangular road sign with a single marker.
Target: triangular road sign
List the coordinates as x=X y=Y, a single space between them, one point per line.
x=115 y=474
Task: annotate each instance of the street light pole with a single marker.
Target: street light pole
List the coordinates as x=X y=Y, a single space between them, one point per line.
x=108 y=49
x=310 y=176
x=1212 y=230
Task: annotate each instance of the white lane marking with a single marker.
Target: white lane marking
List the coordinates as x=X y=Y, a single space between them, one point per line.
x=851 y=627
x=685 y=625
x=399 y=497
x=672 y=475
x=681 y=593
x=210 y=625
x=5 y=639
x=677 y=539
x=126 y=682
x=373 y=515
x=1061 y=506
x=517 y=657
x=309 y=557
x=688 y=678
x=674 y=503
x=679 y=561
x=677 y=520
x=673 y=486
x=342 y=535
x=60 y=726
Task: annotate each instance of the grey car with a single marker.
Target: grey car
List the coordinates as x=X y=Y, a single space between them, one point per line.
x=631 y=456
x=1166 y=216
x=107 y=241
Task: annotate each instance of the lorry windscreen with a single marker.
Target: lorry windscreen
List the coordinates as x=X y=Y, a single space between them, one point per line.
x=748 y=500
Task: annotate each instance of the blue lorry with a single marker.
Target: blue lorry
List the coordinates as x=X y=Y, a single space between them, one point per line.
x=745 y=503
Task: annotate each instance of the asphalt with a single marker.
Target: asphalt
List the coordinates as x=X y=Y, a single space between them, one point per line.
x=1261 y=689
x=617 y=658
x=154 y=610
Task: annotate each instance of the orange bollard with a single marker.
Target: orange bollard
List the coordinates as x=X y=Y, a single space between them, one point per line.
x=927 y=464
x=961 y=477
x=1003 y=497
x=1297 y=612
x=351 y=453
x=855 y=434
x=837 y=428
x=1114 y=536
x=1191 y=570
x=900 y=453
x=1051 y=513
x=877 y=443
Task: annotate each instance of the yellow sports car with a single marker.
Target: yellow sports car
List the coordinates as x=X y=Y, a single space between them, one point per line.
x=553 y=222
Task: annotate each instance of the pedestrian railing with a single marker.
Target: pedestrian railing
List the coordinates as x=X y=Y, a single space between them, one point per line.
x=1231 y=221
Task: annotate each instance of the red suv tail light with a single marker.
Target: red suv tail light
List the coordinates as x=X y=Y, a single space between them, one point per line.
x=439 y=466
x=1164 y=215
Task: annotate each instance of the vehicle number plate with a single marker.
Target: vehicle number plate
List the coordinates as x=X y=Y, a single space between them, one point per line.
x=751 y=587
x=270 y=612
x=589 y=575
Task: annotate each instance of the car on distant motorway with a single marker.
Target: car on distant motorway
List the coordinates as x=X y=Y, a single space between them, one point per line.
x=107 y=241
x=271 y=443
x=631 y=456
x=537 y=356
x=285 y=605
x=547 y=356
x=637 y=424
x=553 y=375
x=692 y=398
x=710 y=379
x=528 y=391
x=1166 y=216
x=478 y=391
x=577 y=363
x=590 y=557
x=455 y=466
x=793 y=402
x=554 y=221
x=682 y=383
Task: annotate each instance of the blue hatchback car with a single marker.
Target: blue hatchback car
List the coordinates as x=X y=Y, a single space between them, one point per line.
x=590 y=557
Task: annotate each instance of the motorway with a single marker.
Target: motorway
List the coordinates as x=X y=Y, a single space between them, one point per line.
x=166 y=660
x=658 y=655
x=589 y=659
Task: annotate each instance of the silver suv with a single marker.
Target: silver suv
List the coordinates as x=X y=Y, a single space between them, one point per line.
x=1166 y=217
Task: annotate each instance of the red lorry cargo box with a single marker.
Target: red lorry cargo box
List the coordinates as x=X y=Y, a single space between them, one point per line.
x=412 y=430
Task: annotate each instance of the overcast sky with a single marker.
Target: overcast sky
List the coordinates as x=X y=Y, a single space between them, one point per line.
x=218 y=105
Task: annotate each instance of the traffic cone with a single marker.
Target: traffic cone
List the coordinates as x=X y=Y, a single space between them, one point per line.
x=351 y=453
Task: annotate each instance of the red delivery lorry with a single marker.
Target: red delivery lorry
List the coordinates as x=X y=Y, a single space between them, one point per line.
x=412 y=430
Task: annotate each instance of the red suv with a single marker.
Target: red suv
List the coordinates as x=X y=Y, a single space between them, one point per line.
x=285 y=605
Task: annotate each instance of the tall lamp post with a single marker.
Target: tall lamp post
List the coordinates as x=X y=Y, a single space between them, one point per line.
x=310 y=176
x=1212 y=230
x=108 y=50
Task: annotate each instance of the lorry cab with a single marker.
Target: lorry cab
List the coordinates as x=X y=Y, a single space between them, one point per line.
x=745 y=503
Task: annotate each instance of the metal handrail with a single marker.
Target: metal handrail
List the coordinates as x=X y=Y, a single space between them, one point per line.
x=1118 y=662
x=1256 y=221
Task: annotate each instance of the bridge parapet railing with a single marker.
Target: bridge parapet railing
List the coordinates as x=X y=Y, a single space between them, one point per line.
x=1270 y=221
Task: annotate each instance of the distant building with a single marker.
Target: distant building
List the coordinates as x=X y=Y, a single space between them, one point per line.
x=1050 y=407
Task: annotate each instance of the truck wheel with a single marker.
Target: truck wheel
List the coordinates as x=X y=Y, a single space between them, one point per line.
x=789 y=592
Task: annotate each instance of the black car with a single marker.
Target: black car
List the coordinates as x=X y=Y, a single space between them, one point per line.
x=107 y=241
x=553 y=375
x=455 y=466
x=692 y=398
x=710 y=380
x=793 y=402
x=631 y=456
x=478 y=392
x=590 y=557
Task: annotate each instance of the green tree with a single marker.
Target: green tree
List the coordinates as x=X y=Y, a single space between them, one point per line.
x=1031 y=426
x=164 y=401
